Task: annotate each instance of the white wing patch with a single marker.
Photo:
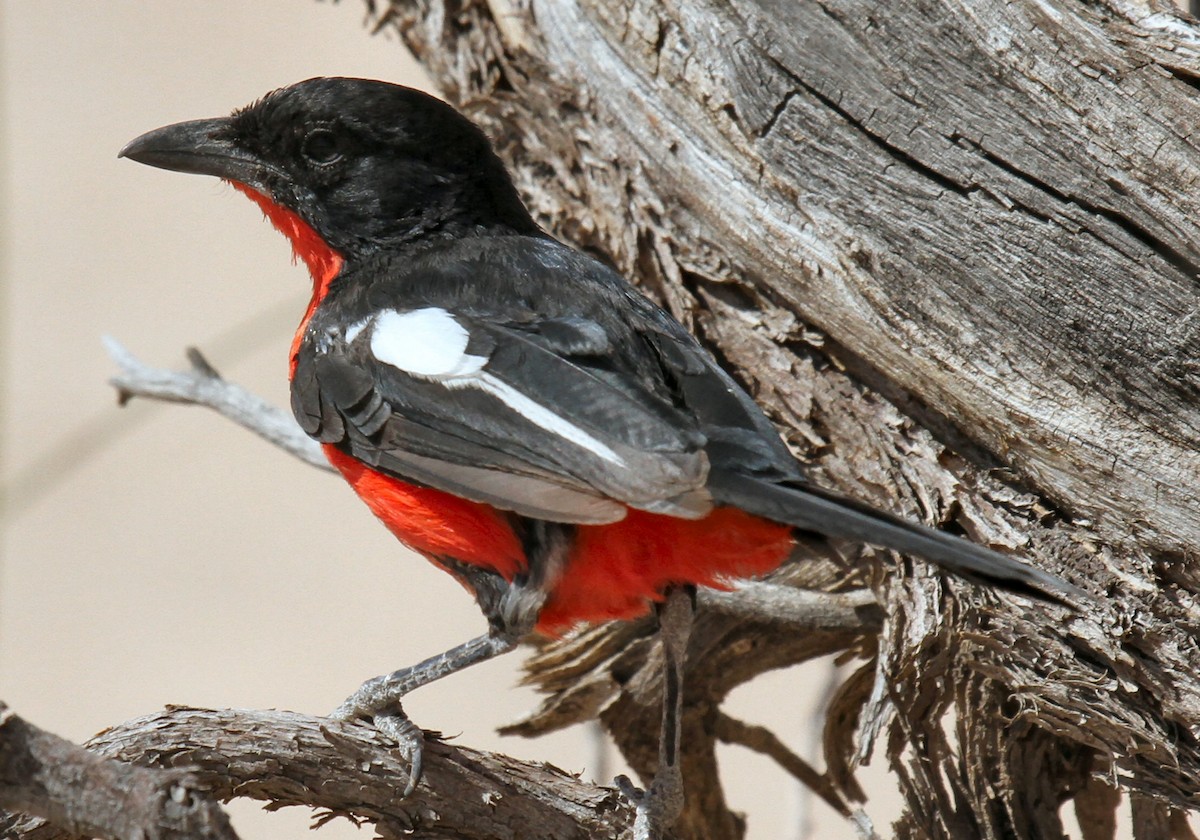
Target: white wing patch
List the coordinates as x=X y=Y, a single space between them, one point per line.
x=355 y=329
x=427 y=342
x=431 y=344
x=538 y=414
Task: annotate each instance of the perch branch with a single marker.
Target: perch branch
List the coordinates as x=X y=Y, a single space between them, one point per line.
x=204 y=386
x=350 y=771
x=81 y=792
x=801 y=609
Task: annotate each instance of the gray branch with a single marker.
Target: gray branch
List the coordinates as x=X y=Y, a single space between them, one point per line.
x=799 y=609
x=762 y=740
x=202 y=385
x=346 y=770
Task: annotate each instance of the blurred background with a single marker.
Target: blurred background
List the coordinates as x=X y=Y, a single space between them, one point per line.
x=158 y=554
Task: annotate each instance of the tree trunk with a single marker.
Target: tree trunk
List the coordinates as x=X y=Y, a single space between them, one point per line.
x=953 y=248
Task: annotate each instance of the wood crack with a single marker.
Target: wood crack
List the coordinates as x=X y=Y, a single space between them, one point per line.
x=1173 y=257
x=902 y=157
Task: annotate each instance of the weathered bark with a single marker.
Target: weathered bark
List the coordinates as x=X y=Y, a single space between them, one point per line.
x=984 y=211
x=346 y=771
x=45 y=776
x=953 y=248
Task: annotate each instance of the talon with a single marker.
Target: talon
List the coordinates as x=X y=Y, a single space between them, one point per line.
x=658 y=808
x=372 y=706
x=377 y=701
x=629 y=790
x=411 y=741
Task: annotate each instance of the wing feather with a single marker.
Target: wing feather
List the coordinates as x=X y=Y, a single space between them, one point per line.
x=518 y=372
x=531 y=431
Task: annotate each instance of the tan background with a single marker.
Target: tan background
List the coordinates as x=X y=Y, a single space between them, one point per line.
x=157 y=554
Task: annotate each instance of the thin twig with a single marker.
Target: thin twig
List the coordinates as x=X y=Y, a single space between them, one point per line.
x=202 y=385
x=762 y=740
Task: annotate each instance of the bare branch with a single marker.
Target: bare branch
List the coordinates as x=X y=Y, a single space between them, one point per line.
x=351 y=771
x=801 y=609
x=82 y=793
x=762 y=740
x=202 y=385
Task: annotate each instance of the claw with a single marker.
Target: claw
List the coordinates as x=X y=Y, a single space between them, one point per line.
x=377 y=701
x=410 y=739
x=658 y=808
x=368 y=705
x=629 y=790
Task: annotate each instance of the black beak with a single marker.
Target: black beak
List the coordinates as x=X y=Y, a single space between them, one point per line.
x=200 y=147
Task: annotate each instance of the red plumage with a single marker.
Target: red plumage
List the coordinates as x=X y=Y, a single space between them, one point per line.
x=323 y=262
x=613 y=571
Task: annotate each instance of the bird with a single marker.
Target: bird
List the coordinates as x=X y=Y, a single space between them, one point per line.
x=512 y=408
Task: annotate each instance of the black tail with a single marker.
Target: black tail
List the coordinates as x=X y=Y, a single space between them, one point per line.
x=814 y=509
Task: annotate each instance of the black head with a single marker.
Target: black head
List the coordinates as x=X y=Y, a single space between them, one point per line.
x=367 y=164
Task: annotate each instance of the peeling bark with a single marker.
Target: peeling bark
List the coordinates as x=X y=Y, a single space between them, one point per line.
x=953 y=247
x=351 y=771
x=47 y=776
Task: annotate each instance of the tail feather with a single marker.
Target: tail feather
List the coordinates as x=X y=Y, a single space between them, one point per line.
x=814 y=509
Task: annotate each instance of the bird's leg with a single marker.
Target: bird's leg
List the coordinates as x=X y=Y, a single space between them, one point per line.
x=512 y=611
x=660 y=806
x=378 y=700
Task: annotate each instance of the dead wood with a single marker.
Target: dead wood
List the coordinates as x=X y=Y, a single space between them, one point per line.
x=89 y=794
x=350 y=771
x=952 y=247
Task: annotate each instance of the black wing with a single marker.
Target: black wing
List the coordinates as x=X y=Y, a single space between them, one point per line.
x=567 y=410
x=523 y=374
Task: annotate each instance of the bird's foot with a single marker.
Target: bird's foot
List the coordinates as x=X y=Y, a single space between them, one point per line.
x=377 y=701
x=373 y=703
x=657 y=808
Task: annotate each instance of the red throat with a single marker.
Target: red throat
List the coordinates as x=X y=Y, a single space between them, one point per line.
x=323 y=262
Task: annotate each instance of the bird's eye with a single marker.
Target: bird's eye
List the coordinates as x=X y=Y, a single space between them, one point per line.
x=321 y=147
